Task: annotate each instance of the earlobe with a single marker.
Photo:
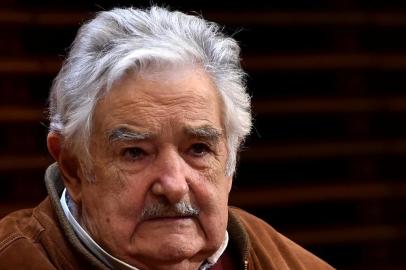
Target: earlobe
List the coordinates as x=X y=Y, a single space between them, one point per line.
x=69 y=166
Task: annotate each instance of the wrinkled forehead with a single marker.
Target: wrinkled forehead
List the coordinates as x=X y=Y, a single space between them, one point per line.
x=165 y=71
x=156 y=96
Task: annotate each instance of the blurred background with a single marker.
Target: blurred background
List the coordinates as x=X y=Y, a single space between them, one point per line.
x=325 y=164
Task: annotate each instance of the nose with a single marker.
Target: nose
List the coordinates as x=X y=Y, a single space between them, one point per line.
x=170 y=177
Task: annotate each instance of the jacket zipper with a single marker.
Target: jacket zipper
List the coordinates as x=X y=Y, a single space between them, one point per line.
x=246 y=259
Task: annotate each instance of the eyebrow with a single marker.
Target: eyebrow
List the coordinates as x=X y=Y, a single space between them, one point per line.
x=204 y=132
x=126 y=134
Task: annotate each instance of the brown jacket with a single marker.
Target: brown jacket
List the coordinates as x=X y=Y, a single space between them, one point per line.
x=41 y=238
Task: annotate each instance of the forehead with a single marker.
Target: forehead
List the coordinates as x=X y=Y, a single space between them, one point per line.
x=161 y=99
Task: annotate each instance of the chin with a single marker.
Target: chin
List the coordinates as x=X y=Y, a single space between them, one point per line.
x=179 y=249
x=172 y=251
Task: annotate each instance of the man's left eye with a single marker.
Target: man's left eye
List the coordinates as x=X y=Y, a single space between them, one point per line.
x=199 y=149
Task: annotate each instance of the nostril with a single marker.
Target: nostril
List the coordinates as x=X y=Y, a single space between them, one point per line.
x=157 y=188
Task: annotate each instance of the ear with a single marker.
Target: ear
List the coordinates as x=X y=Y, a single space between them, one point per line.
x=229 y=180
x=69 y=165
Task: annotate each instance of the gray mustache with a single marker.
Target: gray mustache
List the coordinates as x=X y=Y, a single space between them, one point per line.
x=162 y=210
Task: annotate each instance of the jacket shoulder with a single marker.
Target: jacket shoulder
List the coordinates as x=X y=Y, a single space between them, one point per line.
x=19 y=225
x=19 y=246
x=268 y=249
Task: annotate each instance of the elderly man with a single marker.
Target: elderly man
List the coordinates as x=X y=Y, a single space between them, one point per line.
x=146 y=118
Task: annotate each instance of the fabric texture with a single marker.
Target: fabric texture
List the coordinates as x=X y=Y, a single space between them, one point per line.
x=42 y=238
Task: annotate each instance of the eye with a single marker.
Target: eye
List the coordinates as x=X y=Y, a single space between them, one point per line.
x=199 y=149
x=133 y=153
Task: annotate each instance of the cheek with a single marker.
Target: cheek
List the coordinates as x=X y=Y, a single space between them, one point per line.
x=212 y=192
x=119 y=194
x=213 y=200
x=111 y=178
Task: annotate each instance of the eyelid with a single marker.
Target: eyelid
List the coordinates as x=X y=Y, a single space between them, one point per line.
x=127 y=143
x=204 y=140
x=212 y=144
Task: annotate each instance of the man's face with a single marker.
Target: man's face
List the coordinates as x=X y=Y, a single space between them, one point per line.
x=158 y=140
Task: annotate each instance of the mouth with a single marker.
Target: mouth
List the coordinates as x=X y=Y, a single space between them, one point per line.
x=170 y=218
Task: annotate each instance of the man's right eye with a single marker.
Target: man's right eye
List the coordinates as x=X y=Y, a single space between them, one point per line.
x=133 y=153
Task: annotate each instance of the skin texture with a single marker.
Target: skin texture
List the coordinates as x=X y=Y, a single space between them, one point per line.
x=173 y=161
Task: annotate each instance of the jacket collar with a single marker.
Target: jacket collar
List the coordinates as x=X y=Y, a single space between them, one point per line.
x=55 y=186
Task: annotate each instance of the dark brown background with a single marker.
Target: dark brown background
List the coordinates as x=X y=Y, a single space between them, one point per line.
x=326 y=163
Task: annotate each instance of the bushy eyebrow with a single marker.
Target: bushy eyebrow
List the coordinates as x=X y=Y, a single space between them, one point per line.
x=204 y=132
x=207 y=133
x=126 y=134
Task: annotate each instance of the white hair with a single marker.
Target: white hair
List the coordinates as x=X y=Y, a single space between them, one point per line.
x=122 y=40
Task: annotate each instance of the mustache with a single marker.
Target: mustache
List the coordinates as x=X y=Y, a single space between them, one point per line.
x=165 y=210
